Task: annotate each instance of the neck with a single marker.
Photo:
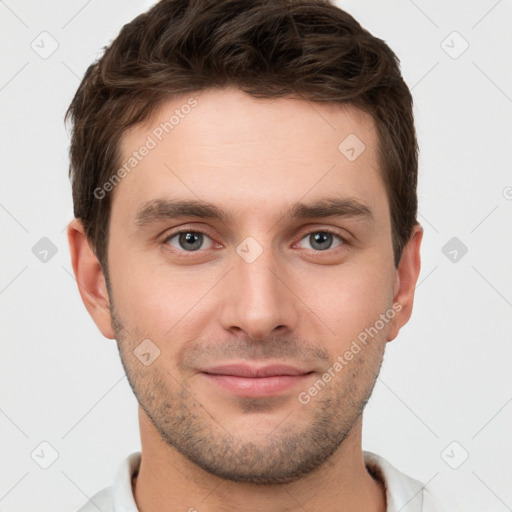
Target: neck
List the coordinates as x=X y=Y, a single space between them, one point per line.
x=169 y=481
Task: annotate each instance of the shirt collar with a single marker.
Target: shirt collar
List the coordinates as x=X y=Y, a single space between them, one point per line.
x=403 y=493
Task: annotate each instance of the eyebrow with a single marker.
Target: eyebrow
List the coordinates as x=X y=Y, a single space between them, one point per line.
x=158 y=210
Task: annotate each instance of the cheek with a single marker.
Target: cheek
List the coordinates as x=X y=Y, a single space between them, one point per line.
x=160 y=302
x=347 y=299
x=336 y=301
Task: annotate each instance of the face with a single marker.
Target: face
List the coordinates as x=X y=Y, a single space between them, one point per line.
x=247 y=255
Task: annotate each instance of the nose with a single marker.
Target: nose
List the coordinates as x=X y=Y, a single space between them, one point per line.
x=258 y=298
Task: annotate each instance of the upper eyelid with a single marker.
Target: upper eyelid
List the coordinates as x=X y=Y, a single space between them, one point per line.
x=187 y=230
x=332 y=231
x=302 y=234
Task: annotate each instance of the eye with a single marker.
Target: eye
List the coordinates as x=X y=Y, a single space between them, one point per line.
x=321 y=240
x=188 y=240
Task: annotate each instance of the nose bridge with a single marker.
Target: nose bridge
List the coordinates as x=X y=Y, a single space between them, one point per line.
x=257 y=301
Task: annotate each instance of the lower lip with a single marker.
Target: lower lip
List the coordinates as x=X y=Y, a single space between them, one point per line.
x=257 y=386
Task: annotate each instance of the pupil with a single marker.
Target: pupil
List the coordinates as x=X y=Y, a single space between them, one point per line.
x=322 y=240
x=191 y=241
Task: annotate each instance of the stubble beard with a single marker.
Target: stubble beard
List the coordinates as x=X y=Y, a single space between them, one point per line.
x=285 y=454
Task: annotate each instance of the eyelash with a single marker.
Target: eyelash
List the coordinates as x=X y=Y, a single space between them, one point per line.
x=191 y=254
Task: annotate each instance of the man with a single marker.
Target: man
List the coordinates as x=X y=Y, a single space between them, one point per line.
x=244 y=183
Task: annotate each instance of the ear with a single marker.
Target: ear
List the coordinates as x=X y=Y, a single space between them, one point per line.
x=405 y=282
x=90 y=278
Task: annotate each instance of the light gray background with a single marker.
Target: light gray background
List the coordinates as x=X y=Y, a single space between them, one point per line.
x=446 y=378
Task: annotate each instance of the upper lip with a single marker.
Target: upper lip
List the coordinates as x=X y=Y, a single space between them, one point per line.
x=245 y=370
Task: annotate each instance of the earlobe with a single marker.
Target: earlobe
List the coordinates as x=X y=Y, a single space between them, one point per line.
x=90 y=278
x=405 y=282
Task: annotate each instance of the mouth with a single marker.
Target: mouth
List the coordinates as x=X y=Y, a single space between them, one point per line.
x=253 y=381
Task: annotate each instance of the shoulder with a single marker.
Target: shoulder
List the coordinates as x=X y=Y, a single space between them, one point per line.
x=102 y=500
x=119 y=497
x=403 y=493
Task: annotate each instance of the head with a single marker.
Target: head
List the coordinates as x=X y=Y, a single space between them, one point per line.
x=244 y=185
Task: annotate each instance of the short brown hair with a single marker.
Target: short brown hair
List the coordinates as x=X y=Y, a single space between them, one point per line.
x=267 y=48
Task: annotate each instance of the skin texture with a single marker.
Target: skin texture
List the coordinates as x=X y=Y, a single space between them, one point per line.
x=204 y=446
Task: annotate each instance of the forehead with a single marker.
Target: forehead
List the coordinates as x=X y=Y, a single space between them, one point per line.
x=225 y=146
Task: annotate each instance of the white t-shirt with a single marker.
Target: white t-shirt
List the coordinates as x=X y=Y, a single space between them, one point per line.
x=403 y=493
